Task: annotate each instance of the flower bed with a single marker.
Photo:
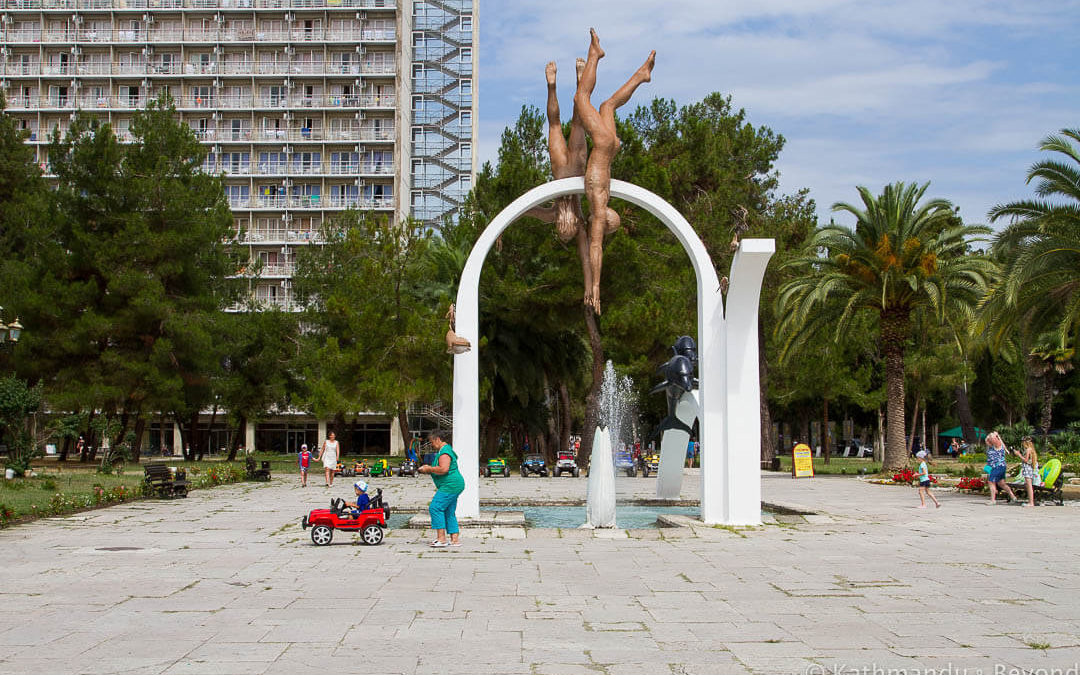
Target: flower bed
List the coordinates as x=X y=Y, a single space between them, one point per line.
x=971 y=484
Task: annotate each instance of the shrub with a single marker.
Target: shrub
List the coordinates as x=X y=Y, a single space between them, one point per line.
x=48 y=484
x=1012 y=434
x=7 y=514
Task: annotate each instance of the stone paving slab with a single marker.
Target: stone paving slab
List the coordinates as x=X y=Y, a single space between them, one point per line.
x=227 y=582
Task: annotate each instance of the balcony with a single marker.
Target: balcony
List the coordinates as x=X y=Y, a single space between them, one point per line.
x=286 y=269
x=195 y=4
x=279 y=236
x=280 y=202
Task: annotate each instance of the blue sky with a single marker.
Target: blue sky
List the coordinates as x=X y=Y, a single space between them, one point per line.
x=956 y=92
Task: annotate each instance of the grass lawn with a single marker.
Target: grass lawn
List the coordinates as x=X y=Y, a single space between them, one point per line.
x=836 y=465
x=81 y=486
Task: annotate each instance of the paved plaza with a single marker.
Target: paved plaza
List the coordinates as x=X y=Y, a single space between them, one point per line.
x=227 y=582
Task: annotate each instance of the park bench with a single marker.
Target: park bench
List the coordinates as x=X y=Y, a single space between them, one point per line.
x=162 y=481
x=261 y=473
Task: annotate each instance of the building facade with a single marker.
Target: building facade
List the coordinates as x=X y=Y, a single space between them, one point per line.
x=306 y=107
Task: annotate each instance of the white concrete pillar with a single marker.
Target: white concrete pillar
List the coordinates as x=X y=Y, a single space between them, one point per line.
x=397 y=443
x=249 y=437
x=177 y=442
x=742 y=482
x=321 y=436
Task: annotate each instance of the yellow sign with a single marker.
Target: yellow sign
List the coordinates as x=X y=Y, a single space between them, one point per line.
x=802 y=461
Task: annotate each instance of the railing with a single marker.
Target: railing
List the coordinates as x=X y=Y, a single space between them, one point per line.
x=197 y=4
x=292 y=169
x=258 y=235
x=36 y=69
x=278 y=269
x=310 y=202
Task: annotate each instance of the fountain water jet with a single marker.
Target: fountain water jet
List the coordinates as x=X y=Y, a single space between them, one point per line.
x=615 y=418
x=600 y=490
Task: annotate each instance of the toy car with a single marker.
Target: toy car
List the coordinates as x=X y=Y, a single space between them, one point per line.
x=651 y=465
x=370 y=523
x=534 y=463
x=344 y=469
x=407 y=468
x=381 y=467
x=566 y=464
x=495 y=466
x=624 y=462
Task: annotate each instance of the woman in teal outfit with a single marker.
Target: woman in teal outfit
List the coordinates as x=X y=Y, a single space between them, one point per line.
x=449 y=483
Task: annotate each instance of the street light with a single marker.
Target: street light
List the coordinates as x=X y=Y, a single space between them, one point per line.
x=9 y=332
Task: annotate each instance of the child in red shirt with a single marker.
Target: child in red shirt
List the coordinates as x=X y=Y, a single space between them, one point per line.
x=305 y=462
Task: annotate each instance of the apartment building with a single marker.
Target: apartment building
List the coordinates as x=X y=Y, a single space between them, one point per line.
x=306 y=107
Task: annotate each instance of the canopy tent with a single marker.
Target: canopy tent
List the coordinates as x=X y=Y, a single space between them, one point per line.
x=958 y=432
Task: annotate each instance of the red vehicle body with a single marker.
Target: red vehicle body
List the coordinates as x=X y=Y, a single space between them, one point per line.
x=370 y=523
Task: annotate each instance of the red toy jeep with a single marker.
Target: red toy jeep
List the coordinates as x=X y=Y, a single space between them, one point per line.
x=370 y=522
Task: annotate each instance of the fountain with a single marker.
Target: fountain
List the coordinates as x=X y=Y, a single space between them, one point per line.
x=615 y=417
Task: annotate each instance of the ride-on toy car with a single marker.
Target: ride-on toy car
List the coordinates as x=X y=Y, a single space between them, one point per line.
x=407 y=468
x=624 y=462
x=380 y=467
x=534 y=463
x=651 y=465
x=344 y=468
x=495 y=467
x=566 y=464
x=370 y=523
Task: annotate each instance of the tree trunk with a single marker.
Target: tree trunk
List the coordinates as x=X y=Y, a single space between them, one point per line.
x=204 y=447
x=768 y=441
x=136 y=446
x=491 y=440
x=125 y=418
x=963 y=411
x=592 y=399
x=64 y=449
x=894 y=328
x=403 y=425
x=879 y=437
x=234 y=442
x=914 y=427
x=567 y=422
x=191 y=443
x=84 y=455
x=1047 y=402
x=922 y=430
x=826 y=444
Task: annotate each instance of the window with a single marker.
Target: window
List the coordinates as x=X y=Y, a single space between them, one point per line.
x=466 y=54
x=466 y=86
x=466 y=24
x=466 y=119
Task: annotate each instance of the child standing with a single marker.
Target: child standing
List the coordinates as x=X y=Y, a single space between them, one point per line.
x=1030 y=467
x=305 y=462
x=924 y=481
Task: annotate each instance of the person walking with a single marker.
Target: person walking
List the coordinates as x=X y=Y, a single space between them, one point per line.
x=449 y=484
x=924 y=481
x=328 y=453
x=995 y=459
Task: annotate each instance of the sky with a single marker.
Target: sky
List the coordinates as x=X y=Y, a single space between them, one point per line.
x=955 y=92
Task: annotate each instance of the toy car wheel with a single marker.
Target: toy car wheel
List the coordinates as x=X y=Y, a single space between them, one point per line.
x=524 y=472
x=556 y=473
x=322 y=535
x=645 y=472
x=545 y=473
x=577 y=473
x=487 y=472
x=372 y=535
x=506 y=471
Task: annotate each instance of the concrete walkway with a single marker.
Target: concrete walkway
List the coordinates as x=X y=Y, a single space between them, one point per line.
x=227 y=582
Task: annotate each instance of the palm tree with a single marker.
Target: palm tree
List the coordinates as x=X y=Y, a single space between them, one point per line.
x=1048 y=358
x=1040 y=250
x=901 y=258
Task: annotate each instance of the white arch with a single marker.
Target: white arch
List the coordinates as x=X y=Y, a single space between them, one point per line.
x=725 y=498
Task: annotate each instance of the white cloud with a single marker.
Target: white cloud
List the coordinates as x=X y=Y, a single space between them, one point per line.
x=958 y=93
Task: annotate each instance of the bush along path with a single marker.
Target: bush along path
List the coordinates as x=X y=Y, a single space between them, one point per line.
x=61 y=490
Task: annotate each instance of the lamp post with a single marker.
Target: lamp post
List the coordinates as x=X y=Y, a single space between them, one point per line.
x=10 y=332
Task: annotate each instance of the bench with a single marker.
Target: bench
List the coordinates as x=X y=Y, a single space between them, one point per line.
x=162 y=481
x=262 y=473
